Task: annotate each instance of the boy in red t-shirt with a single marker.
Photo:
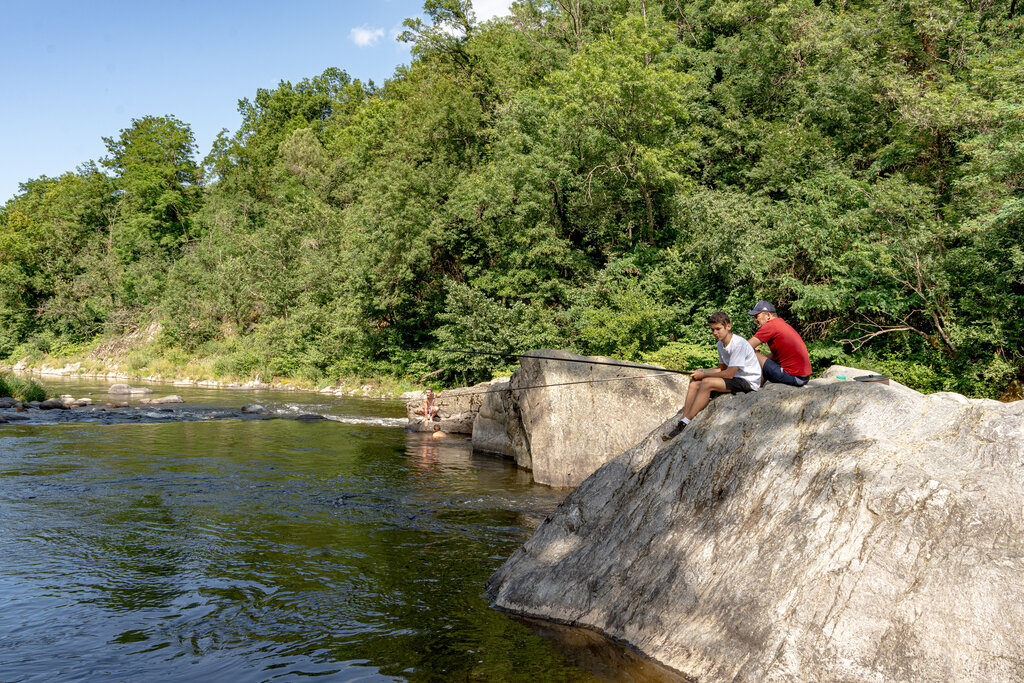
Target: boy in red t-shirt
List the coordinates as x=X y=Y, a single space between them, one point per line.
x=788 y=362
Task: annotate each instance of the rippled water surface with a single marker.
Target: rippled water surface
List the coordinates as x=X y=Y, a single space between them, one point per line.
x=179 y=547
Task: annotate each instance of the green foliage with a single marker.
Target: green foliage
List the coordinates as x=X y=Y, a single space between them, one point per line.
x=683 y=356
x=598 y=176
x=473 y=321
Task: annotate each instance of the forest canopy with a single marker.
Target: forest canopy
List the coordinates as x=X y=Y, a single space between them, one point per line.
x=595 y=175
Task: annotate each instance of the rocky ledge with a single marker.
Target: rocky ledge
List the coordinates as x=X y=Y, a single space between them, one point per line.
x=842 y=531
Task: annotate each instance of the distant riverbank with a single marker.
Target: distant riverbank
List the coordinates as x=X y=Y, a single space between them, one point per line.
x=169 y=369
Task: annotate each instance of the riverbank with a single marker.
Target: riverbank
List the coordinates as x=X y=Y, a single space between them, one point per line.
x=138 y=357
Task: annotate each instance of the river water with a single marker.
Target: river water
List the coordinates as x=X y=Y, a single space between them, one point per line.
x=198 y=544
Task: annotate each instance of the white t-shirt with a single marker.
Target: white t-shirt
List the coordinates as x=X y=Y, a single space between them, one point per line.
x=740 y=354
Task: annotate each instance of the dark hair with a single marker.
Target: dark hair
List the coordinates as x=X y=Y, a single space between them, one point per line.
x=719 y=318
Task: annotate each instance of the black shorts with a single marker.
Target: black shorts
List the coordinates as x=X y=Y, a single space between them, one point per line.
x=738 y=385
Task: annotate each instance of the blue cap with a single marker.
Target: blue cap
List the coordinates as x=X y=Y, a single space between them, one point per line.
x=762 y=307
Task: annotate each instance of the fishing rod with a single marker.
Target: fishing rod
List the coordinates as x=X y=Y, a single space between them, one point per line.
x=635 y=366
x=440 y=395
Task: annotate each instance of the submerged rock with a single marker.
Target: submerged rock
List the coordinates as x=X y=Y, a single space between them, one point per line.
x=843 y=531
x=254 y=409
x=563 y=419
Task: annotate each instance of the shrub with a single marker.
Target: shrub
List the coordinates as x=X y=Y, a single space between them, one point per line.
x=22 y=389
x=683 y=356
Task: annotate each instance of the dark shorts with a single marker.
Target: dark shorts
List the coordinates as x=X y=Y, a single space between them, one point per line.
x=773 y=372
x=738 y=385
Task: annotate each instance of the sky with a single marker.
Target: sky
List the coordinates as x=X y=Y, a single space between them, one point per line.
x=73 y=72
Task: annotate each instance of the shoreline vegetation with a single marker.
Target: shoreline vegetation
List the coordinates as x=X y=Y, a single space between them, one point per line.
x=20 y=388
x=146 y=365
x=593 y=176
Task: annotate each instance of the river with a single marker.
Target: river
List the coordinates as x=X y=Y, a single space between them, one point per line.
x=197 y=544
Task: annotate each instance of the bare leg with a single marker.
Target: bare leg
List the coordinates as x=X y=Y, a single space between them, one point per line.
x=691 y=395
x=703 y=395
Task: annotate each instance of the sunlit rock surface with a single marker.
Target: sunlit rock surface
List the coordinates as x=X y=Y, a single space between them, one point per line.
x=564 y=419
x=842 y=531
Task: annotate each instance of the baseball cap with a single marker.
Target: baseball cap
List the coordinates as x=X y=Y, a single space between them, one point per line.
x=762 y=307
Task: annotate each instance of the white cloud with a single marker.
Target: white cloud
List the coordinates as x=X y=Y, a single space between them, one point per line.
x=488 y=9
x=364 y=36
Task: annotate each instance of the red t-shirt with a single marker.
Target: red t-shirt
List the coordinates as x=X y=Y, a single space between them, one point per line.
x=788 y=349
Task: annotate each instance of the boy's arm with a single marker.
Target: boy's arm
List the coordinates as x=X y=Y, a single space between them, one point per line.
x=723 y=371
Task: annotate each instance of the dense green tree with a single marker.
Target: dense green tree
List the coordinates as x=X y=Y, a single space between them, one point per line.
x=593 y=174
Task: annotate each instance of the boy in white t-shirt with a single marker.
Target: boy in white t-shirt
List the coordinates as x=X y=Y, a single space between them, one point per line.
x=738 y=372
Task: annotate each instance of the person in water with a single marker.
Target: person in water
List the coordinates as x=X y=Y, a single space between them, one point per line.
x=438 y=434
x=788 y=361
x=428 y=411
x=738 y=372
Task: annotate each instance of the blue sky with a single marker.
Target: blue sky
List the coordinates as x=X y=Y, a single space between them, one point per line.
x=72 y=72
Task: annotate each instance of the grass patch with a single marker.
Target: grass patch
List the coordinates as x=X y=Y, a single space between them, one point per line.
x=24 y=390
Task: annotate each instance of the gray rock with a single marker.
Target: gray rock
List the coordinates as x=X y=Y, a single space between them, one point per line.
x=54 y=404
x=842 y=531
x=7 y=402
x=121 y=389
x=564 y=419
x=173 y=398
x=254 y=409
x=491 y=426
x=310 y=417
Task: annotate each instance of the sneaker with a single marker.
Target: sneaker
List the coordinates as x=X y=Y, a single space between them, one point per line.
x=674 y=432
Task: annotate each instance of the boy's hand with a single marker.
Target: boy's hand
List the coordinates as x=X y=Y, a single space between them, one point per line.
x=698 y=374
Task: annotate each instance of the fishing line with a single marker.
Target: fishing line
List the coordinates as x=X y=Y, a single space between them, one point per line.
x=635 y=366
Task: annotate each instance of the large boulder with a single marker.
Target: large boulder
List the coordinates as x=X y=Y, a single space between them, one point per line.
x=563 y=416
x=493 y=421
x=457 y=408
x=841 y=531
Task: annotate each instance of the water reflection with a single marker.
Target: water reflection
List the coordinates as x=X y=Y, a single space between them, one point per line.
x=250 y=550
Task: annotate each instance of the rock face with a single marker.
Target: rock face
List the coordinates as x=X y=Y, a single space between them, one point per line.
x=457 y=408
x=493 y=422
x=564 y=433
x=842 y=531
